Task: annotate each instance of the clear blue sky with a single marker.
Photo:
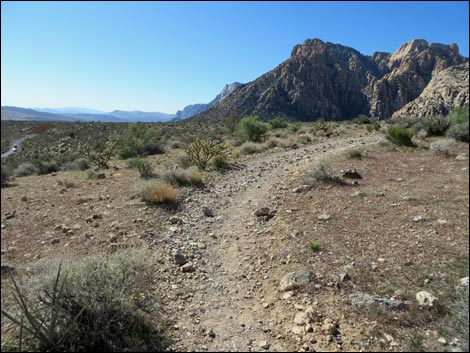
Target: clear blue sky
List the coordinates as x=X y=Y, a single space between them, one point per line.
x=162 y=56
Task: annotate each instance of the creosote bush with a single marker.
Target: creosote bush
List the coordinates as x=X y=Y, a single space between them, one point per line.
x=144 y=167
x=459 y=132
x=251 y=129
x=320 y=173
x=400 y=136
x=202 y=151
x=6 y=175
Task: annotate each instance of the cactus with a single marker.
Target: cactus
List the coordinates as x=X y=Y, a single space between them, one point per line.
x=98 y=153
x=202 y=151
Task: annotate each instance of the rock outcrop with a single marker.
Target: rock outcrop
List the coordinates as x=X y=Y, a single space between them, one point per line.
x=446 y=90
x=335 y=82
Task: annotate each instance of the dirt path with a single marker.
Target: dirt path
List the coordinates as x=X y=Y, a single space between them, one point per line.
x=233 y=315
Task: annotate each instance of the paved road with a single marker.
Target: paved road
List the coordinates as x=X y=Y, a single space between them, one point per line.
x=18 y=143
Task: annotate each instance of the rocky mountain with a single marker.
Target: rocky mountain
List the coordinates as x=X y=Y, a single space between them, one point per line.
x=446 y=90
x=335 y=82
x=194 y=109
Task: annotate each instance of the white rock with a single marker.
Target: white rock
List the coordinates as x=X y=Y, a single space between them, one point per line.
x=425 y=298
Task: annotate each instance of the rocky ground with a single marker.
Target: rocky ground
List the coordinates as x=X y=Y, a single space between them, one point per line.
x=222 y=256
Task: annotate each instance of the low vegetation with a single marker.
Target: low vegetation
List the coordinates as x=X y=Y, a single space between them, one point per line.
x=400 y=136
x=201 y=152
x=159 y=193
x=251 y=129
x=183 y=177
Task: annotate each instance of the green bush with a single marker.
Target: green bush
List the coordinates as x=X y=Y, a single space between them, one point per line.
x=436 y=125
x=400 y=136
x=138 y=140
x=143 y=166
x=294 y=127
x=363 y=119
x=459 y=132
x=251 y=129
x=25 y=169
x=277 y=123
x=459 y=115
x=104 y=304
x=202 y=151
x=314 y=246
x=98 y=153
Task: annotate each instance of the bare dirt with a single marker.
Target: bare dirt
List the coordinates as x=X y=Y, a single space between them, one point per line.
x=406 y=230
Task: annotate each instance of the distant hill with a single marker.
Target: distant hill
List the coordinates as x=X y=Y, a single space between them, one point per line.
x=194 y=109
x=336 y=82
x=69 y=110
x=140 y=116
x=17 y=113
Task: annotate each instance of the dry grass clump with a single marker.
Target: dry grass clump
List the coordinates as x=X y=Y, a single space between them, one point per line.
x=321 y=173
x=183 y=177
x=159 y=194
x=252 y=148
x=67 y=183
x=354 y=153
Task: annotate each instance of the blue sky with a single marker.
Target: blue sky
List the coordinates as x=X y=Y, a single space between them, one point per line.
x=162 y=56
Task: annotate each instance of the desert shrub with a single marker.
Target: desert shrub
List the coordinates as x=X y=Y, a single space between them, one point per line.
x=184 y=161
x=138 y=140
x=25 y=169
x=314 y=246
x=232 y=121
x=251 y=148
x=46 y=166
x=251 y=129
x=275 y=142
x=277 y=123
x=320 y=173
x=442 y=147
x=91 y=174
x=363 y=119
x=400 y=136
x=143 y=166
x=436 y=125
x=235 y=154
x=459 y=115
x=459 y=132
x=6 y=175
x=305 y=139
x=100 y=303
x=67 y=183
x=159 y=194
x=202 y=151
x=294 y=127
x=220 y=162
x=354 y=153
x=98 y=153
x=175 y=144
x=183 y=177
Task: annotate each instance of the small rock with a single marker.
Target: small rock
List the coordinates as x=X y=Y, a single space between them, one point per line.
x=264 y=345
x=359 y=298
x=113 y=238
x=344 y=277
x=461 y=157
x=442 y=222
x=351 y=174
x=264 y=211
x=463 y=282
x=55 y=241
x=175 y=220
x=207 y=212
x=359 y=193
x=178 y=257
x=295 y=233
x=442 y=340
x=300 y=318
x=418 y=218
x=187 y=267
x=324 y=217
x=298 y=330
x=425 y=298
x=329 y=329
x=210 y=333
x=294 y=280
x=6 y=269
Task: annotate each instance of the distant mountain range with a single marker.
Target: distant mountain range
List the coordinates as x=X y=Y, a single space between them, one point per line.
x=120 y=116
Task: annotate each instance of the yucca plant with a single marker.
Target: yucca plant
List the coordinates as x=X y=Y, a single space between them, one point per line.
x=43 y=327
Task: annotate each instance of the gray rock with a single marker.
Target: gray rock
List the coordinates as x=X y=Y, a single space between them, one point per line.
x=425 y=298
x=207 y=212
x=264 y=211
x=295 y=233
x=463 y=282
x=264 y=345
x=6 y=269
x=359 y=298
x=344 y=277
x=300 y=318
x=175 y=220
x=179 y=258
x=187 y=267
x=324 y=217
x=351 y=174
x=461 y=157
x=294 y=280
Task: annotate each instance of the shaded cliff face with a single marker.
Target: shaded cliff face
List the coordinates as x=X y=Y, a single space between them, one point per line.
x=335 y=82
